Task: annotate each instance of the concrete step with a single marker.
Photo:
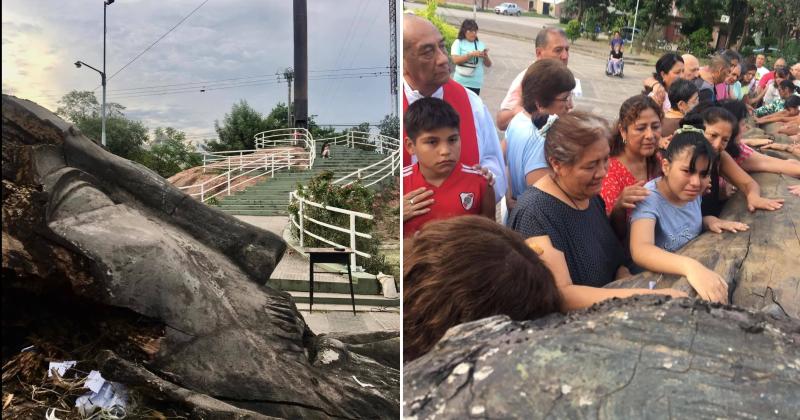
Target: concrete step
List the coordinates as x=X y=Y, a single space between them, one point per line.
x=331 y=284
x=346 y=308
x=245 y=200
x=254 y=212
x=343 y=299
x=245 y=207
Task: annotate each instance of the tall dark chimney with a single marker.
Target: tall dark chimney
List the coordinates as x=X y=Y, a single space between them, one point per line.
x=300 y=64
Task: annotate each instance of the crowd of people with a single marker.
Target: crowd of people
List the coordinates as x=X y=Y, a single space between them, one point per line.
x=589 y=202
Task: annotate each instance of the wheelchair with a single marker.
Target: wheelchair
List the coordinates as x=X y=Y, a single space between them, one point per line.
x=621 y=69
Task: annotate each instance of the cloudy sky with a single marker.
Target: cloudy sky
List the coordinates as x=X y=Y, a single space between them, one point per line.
x=233 y=48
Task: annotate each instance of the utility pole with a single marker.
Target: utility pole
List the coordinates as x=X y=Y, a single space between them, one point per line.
x=393 y=56
x=288 y=74
x=300 y=64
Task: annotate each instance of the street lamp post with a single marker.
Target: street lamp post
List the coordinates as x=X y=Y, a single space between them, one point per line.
x=78 y=64
x=106 y=3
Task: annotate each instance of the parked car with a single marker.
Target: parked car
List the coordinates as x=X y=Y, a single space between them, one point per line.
x=628 y=32
x=508 y=9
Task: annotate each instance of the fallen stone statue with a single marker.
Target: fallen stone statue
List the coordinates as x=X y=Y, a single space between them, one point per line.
x=643 y=357
x=113 y=232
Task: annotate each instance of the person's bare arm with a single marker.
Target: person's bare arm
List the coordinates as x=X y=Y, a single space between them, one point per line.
x=504 y=117
x=746 y=184
x=461 y=59
x=579 y=297
x=759 y=162
x=534 y=175
x=780 y=116
x=708 y=284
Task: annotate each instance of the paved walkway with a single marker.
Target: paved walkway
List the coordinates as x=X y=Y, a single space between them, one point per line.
x=294 y=266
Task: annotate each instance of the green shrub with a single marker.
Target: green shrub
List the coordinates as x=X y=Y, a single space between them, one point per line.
x=353 y=197
x=573 y=30
x=698 y=42
x=448 y=31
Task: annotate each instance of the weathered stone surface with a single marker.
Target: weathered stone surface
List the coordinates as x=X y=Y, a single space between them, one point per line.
x=642 y=357
x=761 y=266
x=115 y=232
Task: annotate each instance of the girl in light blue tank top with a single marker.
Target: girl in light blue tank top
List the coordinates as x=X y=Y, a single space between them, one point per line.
x=670 y=216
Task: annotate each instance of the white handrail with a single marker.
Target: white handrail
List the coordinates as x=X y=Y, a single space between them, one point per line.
x=350 y=229
x=269 y=164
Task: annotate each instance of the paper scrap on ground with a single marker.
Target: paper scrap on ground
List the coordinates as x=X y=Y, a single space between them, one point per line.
x=60 y=367
x=112 y=397
x=94 y=381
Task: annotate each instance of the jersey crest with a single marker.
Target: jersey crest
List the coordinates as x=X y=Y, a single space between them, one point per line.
x=467 y=200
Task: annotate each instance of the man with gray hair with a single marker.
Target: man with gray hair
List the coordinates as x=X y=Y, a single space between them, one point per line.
x=550 y=42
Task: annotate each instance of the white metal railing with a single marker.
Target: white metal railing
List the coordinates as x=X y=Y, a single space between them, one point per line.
x=296 y=137
x=379 y=142
x=379 y=170
x=350 y=229
x=269 y=163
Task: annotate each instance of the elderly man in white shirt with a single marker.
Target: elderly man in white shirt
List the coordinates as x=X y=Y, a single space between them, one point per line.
x=550 y=43
x=426 y=72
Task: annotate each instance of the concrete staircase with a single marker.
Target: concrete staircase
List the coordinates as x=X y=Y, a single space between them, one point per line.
x=270 y=197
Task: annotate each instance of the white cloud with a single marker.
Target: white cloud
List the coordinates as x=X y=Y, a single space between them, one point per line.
x=222 y=40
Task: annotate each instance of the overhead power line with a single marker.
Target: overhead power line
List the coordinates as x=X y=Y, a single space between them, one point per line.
x=242 y=84
x=156 y=41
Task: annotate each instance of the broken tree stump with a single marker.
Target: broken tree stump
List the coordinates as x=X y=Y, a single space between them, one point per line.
x=642 y=357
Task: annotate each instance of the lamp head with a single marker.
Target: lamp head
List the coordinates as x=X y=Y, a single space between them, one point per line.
x=108 y=2
x=78 y=64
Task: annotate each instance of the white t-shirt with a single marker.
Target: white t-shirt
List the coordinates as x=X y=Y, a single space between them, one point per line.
x=514 y=94
x=760 y=72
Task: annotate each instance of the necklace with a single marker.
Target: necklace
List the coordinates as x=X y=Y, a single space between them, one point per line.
x=565 y=193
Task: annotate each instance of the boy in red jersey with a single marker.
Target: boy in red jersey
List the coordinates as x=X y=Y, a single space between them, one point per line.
x=438 y=186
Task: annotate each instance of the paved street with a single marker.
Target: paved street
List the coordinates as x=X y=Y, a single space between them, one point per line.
x=510 y=43
x=601 y=94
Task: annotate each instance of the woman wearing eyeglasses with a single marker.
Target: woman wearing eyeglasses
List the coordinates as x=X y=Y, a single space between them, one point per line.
x=470 y=56
x=546 y=90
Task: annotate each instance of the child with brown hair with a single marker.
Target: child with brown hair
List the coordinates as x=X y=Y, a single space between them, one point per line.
x=438 y=186
x=465 y=269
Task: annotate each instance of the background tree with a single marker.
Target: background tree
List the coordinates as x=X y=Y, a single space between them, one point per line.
x=239 y=127
x=125 y=137
x=170 y=153
x=390 y=126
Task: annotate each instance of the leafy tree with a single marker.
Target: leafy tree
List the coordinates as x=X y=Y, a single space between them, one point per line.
x=778 y=19
x=125 y=137
x=390 y=126
x=239 y=127
x=170 y=153
x=79 y=105
x=363 y=127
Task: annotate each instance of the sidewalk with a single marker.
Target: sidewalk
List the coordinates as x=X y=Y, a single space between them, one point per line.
x=294 y=266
